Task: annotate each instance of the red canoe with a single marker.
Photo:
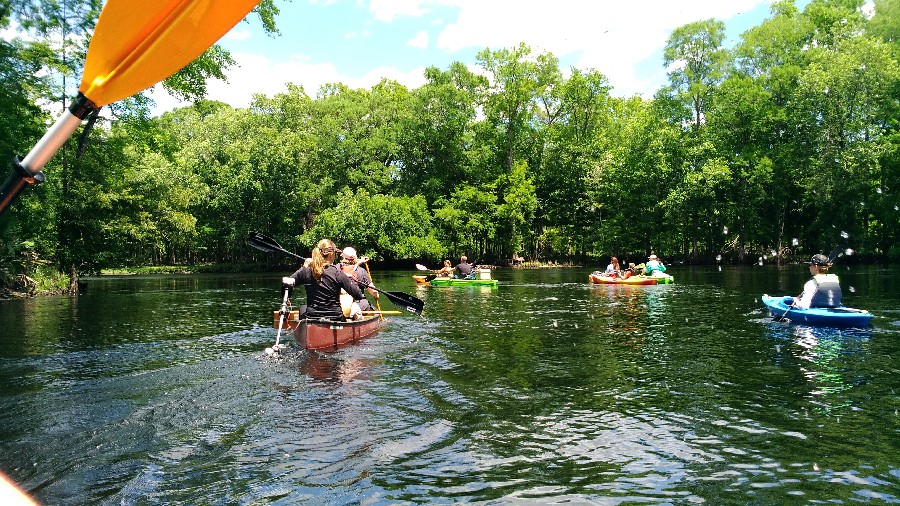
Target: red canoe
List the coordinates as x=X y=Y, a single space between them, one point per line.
x=325 y=334
x=633 y=280
x=315 y=334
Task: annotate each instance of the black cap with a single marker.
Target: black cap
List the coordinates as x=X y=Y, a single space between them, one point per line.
x=819 y=259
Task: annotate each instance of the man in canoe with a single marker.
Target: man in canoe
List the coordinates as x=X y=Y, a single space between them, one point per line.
x=350 y=264
x=323 y=282
x=823 y=290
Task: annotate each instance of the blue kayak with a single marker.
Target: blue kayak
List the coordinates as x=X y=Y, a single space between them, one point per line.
x=826 y=316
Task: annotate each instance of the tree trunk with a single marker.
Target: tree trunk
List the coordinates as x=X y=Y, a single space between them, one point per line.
x=73 y=280
x=781 y=238
x=694 y=240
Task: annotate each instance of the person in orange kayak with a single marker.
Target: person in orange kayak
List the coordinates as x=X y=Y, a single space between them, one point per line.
x=323 y=282
x=613 y=269
x=823 y=290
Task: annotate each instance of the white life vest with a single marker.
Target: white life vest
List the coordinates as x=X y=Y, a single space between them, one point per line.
x=828 y=291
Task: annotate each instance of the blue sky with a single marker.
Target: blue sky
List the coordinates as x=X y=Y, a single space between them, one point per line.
x=358 y=42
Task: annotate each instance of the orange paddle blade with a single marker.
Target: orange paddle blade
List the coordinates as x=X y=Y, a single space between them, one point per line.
x=138 y=43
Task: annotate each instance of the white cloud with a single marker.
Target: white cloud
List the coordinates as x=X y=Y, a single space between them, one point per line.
x=420 y=40
x=256 y=74
x=11 y=32
x=612 y=37
x=620 y=39
x=238 y=34
x=387 y=10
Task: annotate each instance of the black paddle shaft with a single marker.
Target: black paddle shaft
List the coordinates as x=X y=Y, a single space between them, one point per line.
x=402 y=300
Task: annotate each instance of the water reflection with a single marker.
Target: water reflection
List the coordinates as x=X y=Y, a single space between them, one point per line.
x=666 y=394
x=826 y=358
x=330 y=367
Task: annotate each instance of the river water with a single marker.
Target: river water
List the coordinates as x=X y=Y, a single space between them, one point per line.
x=156 y=390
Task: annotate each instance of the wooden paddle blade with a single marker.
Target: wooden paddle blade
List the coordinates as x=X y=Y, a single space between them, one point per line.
x=136 y=43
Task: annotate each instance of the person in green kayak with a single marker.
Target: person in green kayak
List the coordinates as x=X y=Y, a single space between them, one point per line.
x=823 y=290
x=654 y=267
x=446 y=271
x=464 y=269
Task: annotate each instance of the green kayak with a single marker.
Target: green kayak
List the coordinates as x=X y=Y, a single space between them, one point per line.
x=455 y=281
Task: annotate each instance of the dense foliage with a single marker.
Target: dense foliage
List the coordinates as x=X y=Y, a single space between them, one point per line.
x=786 y=144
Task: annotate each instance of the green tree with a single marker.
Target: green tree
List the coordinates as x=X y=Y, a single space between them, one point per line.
x=465 y=220
x=697 y=60
x=846 y=99
x=517 y=81
x=378 y=226
x=437 y=135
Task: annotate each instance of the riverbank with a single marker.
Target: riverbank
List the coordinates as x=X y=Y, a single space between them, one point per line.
x=181 y=269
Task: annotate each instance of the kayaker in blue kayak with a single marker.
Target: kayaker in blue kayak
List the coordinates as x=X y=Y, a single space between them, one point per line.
x=823 y=290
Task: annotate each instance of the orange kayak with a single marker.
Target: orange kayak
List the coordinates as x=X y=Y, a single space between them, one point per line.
x=601 y=279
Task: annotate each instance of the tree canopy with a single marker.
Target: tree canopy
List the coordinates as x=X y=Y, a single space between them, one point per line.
x=785 y=144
